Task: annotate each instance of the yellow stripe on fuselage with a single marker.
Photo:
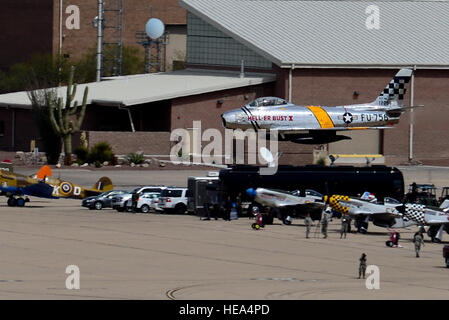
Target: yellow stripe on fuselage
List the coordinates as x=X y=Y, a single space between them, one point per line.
x=322 y=117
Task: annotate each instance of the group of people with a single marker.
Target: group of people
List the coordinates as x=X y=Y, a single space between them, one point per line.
x=325 y=218
x=225 y=210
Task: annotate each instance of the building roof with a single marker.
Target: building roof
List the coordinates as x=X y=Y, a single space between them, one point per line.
x=139 y=89
x=334 y=33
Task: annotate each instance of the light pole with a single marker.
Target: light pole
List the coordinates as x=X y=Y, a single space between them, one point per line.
x=99 y=39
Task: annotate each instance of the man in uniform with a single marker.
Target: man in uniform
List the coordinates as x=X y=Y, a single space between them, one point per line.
x=308 y=222
x=325 y=222
x=362 y=266
x=418 y=240
x=344 y=226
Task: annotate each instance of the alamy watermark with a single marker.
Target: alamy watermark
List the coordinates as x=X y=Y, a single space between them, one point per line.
x=373 y=19
x=372 y=281
x=262 y=147
x=73 y=279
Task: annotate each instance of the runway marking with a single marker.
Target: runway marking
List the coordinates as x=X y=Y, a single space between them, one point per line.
x=170 y=293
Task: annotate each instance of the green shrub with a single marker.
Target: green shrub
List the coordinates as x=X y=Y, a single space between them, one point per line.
x=321 y=161
x=100 y=152
x=136 y=158
x=82 y=154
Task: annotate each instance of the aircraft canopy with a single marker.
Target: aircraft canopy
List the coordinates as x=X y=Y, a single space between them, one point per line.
x=267 y=101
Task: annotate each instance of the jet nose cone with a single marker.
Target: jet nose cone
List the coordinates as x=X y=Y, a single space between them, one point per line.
x=251 y=192
x=223 y=120
x=228 y=118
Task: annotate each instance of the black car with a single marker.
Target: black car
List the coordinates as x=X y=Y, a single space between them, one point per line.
x=101 y=201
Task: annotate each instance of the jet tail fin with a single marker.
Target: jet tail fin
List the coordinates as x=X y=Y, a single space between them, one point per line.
x=393 y=94
x=103 y=184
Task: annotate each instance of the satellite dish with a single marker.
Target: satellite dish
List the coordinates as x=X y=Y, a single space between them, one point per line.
x=154 y=28
x=95 y=22
x=266 y=155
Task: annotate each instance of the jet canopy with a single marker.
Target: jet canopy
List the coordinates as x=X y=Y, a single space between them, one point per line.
x=267 y=101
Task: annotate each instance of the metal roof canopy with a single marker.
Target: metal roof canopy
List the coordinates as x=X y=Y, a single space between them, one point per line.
x=138 y=89
x=333 y=34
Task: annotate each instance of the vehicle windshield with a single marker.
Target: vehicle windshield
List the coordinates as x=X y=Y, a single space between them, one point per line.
x=171 y=193
x=267 y=101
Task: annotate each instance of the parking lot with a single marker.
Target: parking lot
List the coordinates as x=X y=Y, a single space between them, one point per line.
x=161 y=256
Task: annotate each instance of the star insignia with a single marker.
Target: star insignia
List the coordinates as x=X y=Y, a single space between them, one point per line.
x=347 y=117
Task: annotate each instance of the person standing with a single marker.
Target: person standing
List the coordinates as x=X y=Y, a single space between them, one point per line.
x=238 y=203
x=418 y=240
x=308 y=223
x=344 y=226
x=207 y=208
x=228 y=208
x=362 y=266
x=134 y=200
x=324 y=224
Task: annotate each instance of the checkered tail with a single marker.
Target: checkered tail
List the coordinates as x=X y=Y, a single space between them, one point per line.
x=394 y=93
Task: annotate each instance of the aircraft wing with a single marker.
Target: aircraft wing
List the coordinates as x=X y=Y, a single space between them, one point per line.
x=41 y=190
x=10 y=191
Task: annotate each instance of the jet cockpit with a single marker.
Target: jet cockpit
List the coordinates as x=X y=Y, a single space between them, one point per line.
x=267 y=102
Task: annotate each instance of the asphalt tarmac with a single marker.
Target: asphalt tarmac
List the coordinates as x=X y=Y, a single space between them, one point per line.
x=164 y=256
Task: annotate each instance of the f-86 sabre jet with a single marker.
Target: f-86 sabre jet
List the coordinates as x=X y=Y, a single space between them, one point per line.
x=319 y=124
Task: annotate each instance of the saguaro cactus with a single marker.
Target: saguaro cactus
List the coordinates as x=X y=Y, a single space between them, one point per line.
x=64 y=126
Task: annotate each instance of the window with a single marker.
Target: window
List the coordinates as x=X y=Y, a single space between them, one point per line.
x=208 y=45
x=171 y=193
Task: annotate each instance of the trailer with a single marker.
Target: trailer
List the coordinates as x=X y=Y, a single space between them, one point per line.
x=201 y=191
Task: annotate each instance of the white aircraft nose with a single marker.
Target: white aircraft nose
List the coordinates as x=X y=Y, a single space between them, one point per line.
x=228 y=118
x=231 y=119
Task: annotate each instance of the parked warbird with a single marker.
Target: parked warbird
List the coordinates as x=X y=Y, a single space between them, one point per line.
x=310 y=201
x=319 y=124
x=437 y=219
x=386 y=214
x=15 y=186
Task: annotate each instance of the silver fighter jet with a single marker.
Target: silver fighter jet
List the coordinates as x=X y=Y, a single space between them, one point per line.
x=320 y=124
